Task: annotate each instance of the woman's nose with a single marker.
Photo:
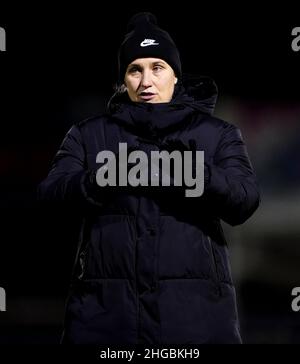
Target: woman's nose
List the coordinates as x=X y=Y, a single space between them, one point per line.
x=146 y=80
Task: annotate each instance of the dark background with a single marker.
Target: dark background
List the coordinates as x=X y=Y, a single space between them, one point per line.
x=60 y=67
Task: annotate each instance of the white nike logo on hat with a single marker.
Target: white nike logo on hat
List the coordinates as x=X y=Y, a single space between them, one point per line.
x=148 y=42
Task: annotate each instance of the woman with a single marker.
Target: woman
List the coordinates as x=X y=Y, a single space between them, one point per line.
x=152 y=264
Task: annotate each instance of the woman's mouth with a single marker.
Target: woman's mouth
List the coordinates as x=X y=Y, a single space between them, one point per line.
x=146 y=96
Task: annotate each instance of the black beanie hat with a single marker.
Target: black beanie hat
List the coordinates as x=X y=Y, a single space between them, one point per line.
x=145 y=39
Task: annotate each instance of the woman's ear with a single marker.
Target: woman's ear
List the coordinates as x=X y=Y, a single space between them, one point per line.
x=175 y=81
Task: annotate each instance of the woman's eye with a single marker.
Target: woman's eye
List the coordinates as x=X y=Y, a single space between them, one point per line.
x=157 y=68
x=133 y=70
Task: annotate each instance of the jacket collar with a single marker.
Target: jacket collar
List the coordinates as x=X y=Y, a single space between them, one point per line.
x=192 y=95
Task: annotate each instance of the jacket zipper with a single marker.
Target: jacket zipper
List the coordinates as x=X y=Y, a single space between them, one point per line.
x=215 y=267
x=81 y=254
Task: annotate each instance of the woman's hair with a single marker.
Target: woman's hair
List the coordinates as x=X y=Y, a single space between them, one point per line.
x=119 y=96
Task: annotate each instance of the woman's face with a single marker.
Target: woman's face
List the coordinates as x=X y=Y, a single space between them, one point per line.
x=150 y=80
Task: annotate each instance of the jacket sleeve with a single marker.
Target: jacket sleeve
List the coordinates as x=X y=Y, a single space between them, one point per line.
x=66 y=181
x=231 y=187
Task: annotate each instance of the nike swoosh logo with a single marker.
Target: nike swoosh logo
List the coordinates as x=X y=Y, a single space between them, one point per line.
x=148 y=42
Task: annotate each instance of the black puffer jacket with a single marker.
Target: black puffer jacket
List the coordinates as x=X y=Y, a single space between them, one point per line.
x=152 y=265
